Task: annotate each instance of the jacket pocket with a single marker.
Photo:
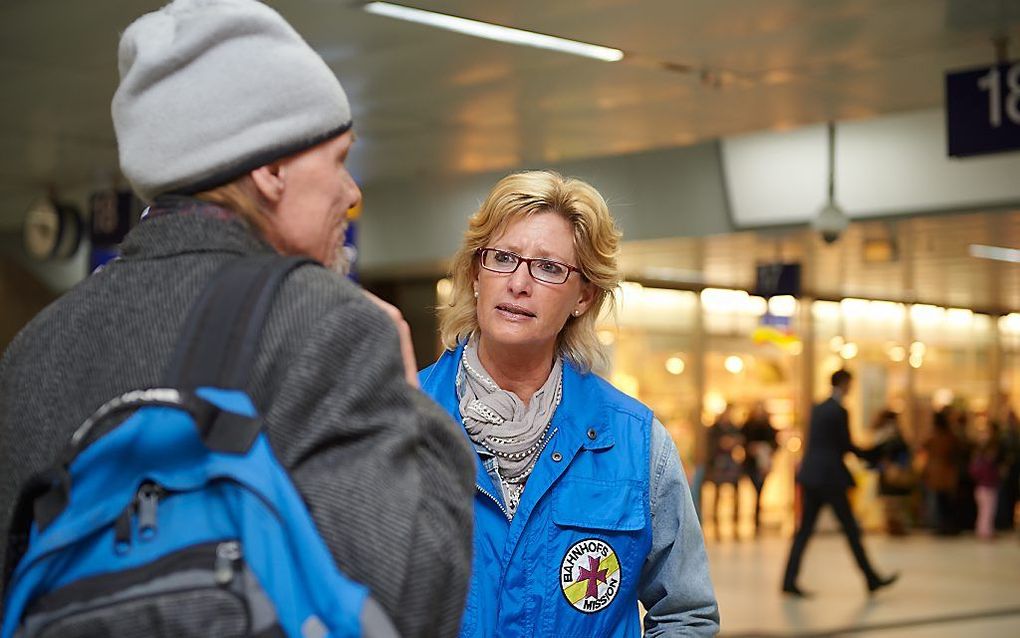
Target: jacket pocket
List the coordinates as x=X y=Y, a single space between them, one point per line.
x=593 y=557
x=600 y=505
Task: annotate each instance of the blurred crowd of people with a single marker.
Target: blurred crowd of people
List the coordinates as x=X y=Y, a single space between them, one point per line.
x=737 y=451
x=959 y=477
x=960 y=473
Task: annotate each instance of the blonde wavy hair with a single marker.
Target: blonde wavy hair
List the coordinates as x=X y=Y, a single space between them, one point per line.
x=596 y=242
x=242 y=197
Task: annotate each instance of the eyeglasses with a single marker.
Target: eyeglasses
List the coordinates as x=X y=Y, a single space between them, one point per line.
x=545 y=270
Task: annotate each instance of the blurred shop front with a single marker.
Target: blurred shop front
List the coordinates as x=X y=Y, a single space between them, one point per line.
x=689 y=354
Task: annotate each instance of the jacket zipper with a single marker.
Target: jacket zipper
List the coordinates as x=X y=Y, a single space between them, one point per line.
x=496 y=502
x=493 y=498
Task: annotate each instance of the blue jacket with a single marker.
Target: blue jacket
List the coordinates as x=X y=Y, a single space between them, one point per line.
x=570 y=561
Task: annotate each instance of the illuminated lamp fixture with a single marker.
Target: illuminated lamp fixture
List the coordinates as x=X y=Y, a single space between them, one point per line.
x=998 y=253
x=831 y=220
x=493 y=31
x=734 y=364
x=879 y=250
x=675 y=365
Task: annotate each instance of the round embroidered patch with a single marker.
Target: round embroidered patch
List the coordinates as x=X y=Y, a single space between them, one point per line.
x=590 y=575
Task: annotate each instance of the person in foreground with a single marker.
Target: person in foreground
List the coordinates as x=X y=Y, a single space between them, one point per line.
x=825 y=481
x=581 y=506
x=237 y=133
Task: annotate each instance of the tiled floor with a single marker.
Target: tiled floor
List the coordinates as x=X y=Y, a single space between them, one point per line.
x=949 y=587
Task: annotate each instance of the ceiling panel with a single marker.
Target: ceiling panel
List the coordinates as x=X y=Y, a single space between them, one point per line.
x=931 y=261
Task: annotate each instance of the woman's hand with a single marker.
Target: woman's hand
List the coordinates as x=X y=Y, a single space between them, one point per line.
x=404 y=330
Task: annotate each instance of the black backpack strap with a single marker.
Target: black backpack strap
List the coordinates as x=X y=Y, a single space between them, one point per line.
x=219 y=340
x=43 y=494
x=219 y=343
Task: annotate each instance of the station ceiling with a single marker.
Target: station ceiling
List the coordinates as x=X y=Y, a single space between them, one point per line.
x=430 y=102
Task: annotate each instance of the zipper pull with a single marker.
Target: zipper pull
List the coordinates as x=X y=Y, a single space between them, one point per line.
x=122 y=531
x=148 y=503
x=227 y=556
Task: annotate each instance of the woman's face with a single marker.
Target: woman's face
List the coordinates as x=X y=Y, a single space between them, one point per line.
x=514 y=309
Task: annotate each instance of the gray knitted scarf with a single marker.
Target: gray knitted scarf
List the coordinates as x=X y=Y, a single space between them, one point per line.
x=499 y=421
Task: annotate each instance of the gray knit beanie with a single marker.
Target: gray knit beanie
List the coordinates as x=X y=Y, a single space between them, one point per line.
x=212 y=89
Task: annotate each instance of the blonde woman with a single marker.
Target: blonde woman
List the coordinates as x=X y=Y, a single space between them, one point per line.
x=581 y=506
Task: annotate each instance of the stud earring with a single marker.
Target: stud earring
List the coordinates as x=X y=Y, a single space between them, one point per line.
x=577 y=313
x=476 y=294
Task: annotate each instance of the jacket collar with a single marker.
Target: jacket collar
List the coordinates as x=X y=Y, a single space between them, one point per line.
x=178 y=225
x=579 y=420
x=580 y=408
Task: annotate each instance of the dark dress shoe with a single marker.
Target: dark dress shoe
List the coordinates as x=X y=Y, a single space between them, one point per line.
x=797 y=592
x=879 y=583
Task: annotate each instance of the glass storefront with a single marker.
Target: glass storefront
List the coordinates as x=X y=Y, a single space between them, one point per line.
x=651 y=343
x=688 y=355
x=1009 y=376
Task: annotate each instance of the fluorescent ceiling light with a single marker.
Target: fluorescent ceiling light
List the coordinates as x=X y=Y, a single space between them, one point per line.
x=995 y=252
x=493 y=31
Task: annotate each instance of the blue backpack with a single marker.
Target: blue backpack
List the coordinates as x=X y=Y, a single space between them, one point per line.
x=179 y=521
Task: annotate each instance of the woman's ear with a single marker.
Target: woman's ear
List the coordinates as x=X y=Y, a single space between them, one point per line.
x=588 y=291
x=270 y=181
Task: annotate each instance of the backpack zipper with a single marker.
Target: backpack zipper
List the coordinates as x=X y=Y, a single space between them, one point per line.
x=149 y=495
x=145 y=506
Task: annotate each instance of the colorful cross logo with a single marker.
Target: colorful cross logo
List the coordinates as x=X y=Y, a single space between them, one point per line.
x=590 y=575
x=594 y=576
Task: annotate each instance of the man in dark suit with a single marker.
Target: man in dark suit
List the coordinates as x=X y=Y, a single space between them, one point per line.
x=824 y=479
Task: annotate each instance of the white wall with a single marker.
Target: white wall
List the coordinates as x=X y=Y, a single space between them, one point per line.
x=891 y=165
x=669 y=193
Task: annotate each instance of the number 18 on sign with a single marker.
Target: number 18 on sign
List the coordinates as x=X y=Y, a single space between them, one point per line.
x=983 y=110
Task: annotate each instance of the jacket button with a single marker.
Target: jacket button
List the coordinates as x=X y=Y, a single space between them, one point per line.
x=592 y=433
x=557 y=457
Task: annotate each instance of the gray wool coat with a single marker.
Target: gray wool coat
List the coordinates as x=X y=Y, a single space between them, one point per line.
x=387 y=475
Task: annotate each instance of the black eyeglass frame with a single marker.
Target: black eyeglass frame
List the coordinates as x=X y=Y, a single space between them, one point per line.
x=480 y=253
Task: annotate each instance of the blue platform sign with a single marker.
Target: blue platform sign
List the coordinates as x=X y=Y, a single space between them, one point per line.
x=983 y=110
